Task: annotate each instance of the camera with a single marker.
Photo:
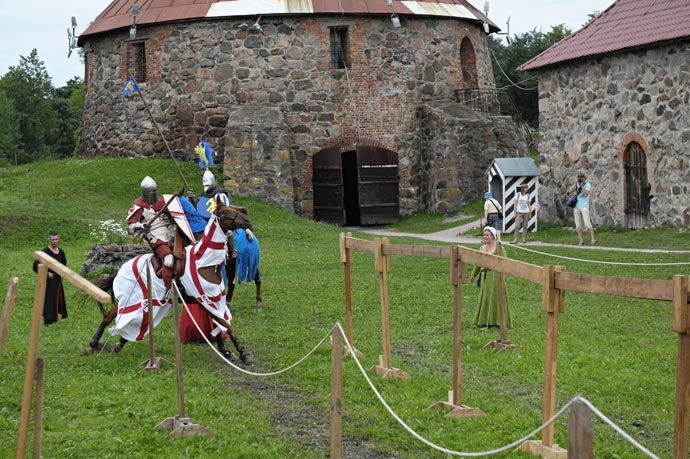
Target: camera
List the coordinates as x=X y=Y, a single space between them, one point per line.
x=580 y=180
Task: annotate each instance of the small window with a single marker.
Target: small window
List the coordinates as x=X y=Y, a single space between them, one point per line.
x=137 y=61
x=339 y=56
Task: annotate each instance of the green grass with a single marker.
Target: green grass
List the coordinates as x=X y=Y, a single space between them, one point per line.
x=619 y=353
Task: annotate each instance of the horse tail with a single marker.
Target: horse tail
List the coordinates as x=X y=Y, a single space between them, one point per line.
x=105 y=283
x=248 y=256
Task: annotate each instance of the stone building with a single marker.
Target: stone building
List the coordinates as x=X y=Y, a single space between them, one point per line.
x=614 y=102
x=341 y=111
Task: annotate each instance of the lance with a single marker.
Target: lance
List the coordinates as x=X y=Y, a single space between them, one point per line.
x=155 y=123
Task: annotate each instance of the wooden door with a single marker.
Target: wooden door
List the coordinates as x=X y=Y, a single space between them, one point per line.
x=327 y=182
x=378 y=185
x=637 y=199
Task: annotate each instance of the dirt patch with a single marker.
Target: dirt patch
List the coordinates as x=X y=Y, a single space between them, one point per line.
x=300 y=419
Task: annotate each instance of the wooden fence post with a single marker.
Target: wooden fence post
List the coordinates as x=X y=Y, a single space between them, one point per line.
x=7 y=311
x=346 y=260
x=382 y=264
x=552 y=303
x=35 y=337
x=336 y=393
x=580 y=433
x=38 y=408
x=458 y=273
x=681 y=320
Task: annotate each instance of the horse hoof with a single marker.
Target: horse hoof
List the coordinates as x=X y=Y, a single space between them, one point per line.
x=117 y=348
x=259 y=305
x=228 y=355
x=89 y=350
x=246 y=358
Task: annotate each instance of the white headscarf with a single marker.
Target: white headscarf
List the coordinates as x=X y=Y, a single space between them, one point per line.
x=491 y=230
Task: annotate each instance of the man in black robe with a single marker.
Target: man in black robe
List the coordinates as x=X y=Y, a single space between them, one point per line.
x=55 y=304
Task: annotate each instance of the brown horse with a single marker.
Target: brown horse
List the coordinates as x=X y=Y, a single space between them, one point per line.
x=200 y=278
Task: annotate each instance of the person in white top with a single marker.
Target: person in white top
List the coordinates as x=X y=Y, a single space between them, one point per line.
x=523 y=212
x=493 y=214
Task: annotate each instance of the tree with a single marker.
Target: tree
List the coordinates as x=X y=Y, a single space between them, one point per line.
x=68 y=104
x=9 y=130
x=522 y=86
x=30 y=89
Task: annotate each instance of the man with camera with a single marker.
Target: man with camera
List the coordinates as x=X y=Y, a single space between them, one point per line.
x=581 y=210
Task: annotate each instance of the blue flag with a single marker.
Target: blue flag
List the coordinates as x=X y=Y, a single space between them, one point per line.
x=131 y=86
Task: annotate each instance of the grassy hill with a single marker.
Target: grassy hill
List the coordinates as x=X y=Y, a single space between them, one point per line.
x=618 y=353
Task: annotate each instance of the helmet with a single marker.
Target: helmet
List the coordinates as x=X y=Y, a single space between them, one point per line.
x=208 y=181
x=149 y=190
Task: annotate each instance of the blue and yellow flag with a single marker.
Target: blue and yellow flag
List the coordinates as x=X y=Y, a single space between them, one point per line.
x=131 y=86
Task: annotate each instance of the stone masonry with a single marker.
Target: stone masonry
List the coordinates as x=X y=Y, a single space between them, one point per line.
x=268 y=101
x=591 y=109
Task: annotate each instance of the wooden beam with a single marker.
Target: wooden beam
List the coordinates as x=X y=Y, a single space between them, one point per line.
x=336 y=394
x=513 y=268
x=426 y=251
x=360 y=244
x=72 y=277
x=649 y=289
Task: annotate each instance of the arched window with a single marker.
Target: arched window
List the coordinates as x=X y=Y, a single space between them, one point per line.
x=468 y=64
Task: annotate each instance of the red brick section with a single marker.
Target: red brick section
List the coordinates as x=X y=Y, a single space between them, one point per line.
x=625 y=24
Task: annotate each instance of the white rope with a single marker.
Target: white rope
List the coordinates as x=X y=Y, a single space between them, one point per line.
x=597 y=261
x=240 y=369
x=433 y=445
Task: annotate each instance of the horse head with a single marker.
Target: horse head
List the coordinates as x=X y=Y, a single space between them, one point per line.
x=231 y=217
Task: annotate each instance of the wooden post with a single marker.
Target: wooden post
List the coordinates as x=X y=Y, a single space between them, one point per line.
x=181 y=425
x=552 y=303
x=336 y=394
x=35 y=336
x=682 y=409
x=580 y=433
x=458 y=271
x=38 y=408
x=7 y=307
x=346 y=260
x=153 y=363
x=382 y=264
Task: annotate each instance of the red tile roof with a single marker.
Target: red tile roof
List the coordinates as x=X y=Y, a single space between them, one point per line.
x=625 y=24
x=118 y=15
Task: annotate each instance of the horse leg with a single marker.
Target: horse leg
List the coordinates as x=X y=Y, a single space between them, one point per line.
x=118 y=347
x=244 y=355
x=220 y=342
x=257 y=281
x=107 y=320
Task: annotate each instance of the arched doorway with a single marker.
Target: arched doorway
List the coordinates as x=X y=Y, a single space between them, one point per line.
x=637 y=187
x=357 y=186
x=468 y=63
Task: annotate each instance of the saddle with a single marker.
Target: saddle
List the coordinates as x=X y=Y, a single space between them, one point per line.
x=180 y=241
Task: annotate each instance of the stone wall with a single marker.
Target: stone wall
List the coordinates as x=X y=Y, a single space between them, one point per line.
x=591 y=110
x=111 y=256
x=268 y=100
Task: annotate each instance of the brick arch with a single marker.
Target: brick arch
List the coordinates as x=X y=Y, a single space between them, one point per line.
x=637 y=138
x=633 y=137
x=468 y=64
x=351 y=143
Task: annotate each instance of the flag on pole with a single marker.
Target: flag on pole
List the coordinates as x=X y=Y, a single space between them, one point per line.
x=205 y=153
x=131 y=86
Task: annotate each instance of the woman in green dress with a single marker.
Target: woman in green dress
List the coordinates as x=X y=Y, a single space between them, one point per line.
x=487 y=314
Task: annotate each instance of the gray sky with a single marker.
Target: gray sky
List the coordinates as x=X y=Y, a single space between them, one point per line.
x=43 y=24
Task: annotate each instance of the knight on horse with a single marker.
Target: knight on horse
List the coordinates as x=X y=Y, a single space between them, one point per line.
x=196 y=264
